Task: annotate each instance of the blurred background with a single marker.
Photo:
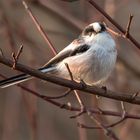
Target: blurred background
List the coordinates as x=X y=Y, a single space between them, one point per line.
x=24 y=116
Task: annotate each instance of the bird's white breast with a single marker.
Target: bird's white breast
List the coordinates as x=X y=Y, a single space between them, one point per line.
x=104 y=58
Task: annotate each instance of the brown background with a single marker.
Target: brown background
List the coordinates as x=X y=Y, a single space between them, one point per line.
x=23 y=116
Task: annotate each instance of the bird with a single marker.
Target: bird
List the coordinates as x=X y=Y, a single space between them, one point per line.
x=91 y=58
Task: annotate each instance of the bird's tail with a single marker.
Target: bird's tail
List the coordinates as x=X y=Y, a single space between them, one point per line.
x=20 y=78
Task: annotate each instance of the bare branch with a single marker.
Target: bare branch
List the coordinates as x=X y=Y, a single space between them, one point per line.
x=115 y=33
x=72 y=84
x=79 y=100
x=106 y=130
x=70 y=73
x=58 y=97
x=107 y=126
x=67 y=107
x=135 y=95
x=40 y=29
x=16 y=56
x=76 y=94
x=130 y=38
x=128 y=26
x=123 y=117
x=127 y=29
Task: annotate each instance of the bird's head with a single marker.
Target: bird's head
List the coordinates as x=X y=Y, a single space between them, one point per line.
x=94 y=28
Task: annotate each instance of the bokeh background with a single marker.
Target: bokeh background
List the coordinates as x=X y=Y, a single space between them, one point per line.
x=24 y=116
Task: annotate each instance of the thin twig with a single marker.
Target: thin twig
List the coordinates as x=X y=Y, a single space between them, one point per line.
x=40 y=29
x=123 y=109
x=114 y=32
x=76 y=94
x=95 y=127
x=16 y=56
x=127 y=29
x=69 y=71
x=128 y=25
x=106 y=130
x=123 y=31
x=79 y=100
x=135 y=95
x=123 y=117
x=81 y=106
x=58 y=97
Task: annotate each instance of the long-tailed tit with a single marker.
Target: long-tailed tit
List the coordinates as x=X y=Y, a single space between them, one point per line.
x=91 y=57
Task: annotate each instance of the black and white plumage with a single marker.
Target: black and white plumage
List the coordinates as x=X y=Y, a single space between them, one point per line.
x=91 y=58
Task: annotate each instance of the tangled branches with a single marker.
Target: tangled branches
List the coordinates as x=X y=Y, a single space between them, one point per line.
x=72 y=85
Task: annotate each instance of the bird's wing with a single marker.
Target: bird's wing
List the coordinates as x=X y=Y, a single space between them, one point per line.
x=76 y=47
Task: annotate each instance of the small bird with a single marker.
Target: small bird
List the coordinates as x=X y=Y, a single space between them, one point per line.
x=91 y=58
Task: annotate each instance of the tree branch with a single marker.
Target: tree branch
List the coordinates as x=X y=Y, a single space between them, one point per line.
x=128 y=26
x=123 y=31
x=72 y=84
x=108 y=132
x=66 y=107
x=39 y=27
x=16 y=56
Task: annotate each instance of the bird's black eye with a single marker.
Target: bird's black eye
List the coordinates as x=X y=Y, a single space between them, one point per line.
x=103 y=28
x=88 y=31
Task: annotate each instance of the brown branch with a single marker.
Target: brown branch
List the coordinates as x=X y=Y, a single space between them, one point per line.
x=106 y=130
x=65 y=106
x=40 y=29
x=16 y=56
x=128 y=25
x=123 y=31
x=69 y=71
x=58 y=97
x=76 y=94
x=127 y=29
x=115 y=33
x=135 y=95
x=123 y=117
x=81 y=105
x=96 y=111
x=72 y=84
x=95 y=127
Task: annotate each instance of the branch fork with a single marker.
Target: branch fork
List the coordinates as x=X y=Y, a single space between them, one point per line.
x=16 y=56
